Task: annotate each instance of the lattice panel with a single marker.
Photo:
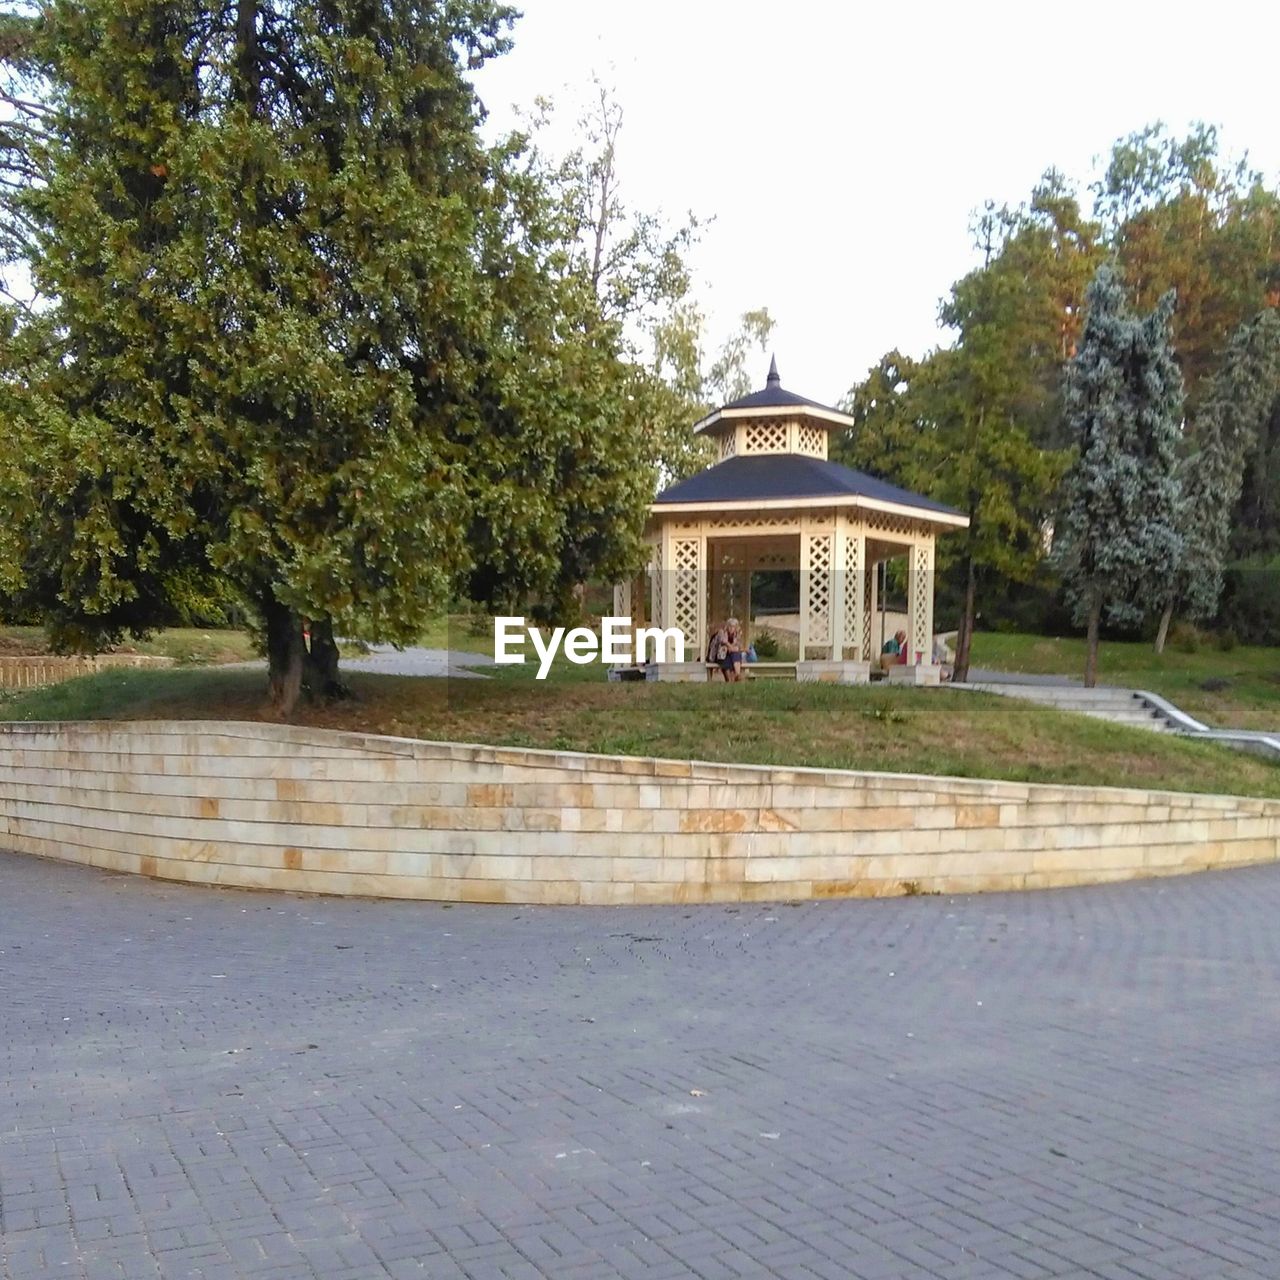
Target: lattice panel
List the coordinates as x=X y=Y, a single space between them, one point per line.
x=921 y=599
x=818 y=588
x=890 y=524
x=752 y=522
x=685 y=584
x=728 y=445
x=811 y=440
x=765 y=437
x=852 y=633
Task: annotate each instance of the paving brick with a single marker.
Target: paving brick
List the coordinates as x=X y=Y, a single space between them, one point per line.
x=208 y=1085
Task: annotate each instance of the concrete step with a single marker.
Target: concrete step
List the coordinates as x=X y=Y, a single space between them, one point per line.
x=1119 y=706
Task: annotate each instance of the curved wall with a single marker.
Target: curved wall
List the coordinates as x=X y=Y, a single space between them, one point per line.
x=275 y=807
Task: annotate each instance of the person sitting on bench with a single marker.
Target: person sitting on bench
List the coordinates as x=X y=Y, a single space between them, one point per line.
x=726 y=649
x=894 y=652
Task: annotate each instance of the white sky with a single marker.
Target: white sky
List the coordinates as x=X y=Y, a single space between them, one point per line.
x=841 y=147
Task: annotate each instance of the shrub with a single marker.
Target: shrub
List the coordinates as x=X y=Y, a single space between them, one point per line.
x=478 y=623
x=1185 y=637
x=1226 y=639
x=766 y=645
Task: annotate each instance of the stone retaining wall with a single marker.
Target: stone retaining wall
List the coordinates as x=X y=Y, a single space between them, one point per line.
x=272 y=807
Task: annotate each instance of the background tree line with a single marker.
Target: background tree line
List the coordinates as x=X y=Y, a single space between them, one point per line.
x=986 y=423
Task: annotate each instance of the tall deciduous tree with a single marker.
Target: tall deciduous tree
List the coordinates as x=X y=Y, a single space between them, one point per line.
x=635 y=264
x=976 y=425
x=1117 y=541
x=1179 y=216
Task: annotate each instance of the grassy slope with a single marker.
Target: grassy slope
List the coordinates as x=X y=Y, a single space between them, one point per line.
x=189 y=646
x=908 y=730
x=1251 y=699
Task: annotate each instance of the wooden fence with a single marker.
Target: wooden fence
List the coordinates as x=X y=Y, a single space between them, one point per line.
x=33 y=673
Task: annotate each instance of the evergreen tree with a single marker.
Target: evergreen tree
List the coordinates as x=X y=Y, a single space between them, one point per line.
x=1255 y=526
x=1224 y=433
x=1117 y=540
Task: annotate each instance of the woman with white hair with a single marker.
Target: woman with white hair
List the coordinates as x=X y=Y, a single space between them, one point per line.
x=727 y=650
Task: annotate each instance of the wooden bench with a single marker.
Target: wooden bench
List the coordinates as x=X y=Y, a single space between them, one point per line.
x=761 y=670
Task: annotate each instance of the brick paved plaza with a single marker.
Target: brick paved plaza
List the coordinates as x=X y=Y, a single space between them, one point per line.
x=200 y=1083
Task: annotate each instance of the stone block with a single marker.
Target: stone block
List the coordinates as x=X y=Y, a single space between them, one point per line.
x=828 y=672
x=683 y=672
x=920 y=674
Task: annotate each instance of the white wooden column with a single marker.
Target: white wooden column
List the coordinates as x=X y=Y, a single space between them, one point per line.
x=852 y=624
x=804 y=588
x=684 y=581
x=920 y=598
x=817 y=540
x=839 y=587
x=662 y=596
x=703 y=638
x=623 y=608
x=870 y=611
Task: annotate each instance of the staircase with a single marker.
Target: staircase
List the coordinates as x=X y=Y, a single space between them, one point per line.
x=1121 y=706
x=1134 y=707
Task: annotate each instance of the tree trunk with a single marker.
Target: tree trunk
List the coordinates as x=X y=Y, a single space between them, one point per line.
x=322 y=678
x=285 y=654
x=1162 y=633
x=1091 y=652
x=964 y=641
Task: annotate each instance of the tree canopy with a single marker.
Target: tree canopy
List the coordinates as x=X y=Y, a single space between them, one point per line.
x=1175 y=216
x=307 y=336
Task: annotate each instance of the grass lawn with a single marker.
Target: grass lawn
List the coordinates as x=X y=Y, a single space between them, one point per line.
x=189 y=646
x=1250 y=698
x=198 y=647
x=907 y=730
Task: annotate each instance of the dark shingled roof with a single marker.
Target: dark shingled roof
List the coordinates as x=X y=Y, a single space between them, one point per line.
x=764 y=476
x=774 y=397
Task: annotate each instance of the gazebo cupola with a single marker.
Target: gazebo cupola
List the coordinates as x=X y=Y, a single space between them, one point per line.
x=772 y=421
x=772 y=500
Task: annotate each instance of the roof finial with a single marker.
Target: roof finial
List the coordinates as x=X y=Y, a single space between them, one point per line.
x=773 y=380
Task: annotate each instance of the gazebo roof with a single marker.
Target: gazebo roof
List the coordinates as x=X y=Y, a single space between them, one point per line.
x=774 y=400
x=791 y=477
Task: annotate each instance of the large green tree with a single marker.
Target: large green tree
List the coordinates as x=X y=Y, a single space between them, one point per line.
x=312 y=333
x=1117 y=541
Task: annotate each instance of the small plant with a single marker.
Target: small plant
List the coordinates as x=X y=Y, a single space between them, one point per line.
x=766 y=645
x=884 y=709
x=478 y=623
x=1226 y=640
x=914 y=889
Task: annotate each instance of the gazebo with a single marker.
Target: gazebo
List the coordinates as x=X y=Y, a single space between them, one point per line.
x=774 y=500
